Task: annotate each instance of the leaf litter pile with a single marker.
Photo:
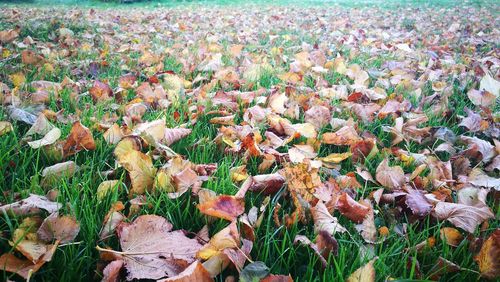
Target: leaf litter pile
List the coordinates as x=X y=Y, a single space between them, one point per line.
x=258 y=144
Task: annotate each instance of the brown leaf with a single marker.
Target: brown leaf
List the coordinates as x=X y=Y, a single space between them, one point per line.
x=418 y=203
x=351 y=209
x=113 y=135
x=267 y=183
x=487 y=259
x=173 y=135
x=441 y=267
x=7 y=36
x=451 y=236
x=62 y=228
x=303 y=240
x=478 y=178
x=324 y=221
x=223 y=206
x=194 y=272
x=100 y=91
x=362 y=149
x=326 y=244
x=80 y=138
x=478 y=148
x=465 y=217
x=319 y=116
x=21 y=267
x=367 y=228
x=151 y=250
x=111 y=272
x=31 y=205
x=365 y=273
x=391 y=177
x=141 y=171
x=29 y=57
x=346 y=135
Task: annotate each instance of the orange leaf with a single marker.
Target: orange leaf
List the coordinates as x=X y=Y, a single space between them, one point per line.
x=223 y=206
x=79 y=138
x=488 y=257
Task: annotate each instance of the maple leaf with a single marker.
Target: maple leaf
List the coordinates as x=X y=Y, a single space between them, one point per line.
x=151 y=250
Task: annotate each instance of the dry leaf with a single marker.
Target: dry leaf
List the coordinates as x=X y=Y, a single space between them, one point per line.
x=223 y=206
x=61 y=228
x=487 y=259
x=80 y=138
x=451 y=236
x=365 y=273
x=151 y=250
x=390 y=177
x=465 y=217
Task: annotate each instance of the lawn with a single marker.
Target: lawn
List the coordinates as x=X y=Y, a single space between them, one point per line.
x=225 y=140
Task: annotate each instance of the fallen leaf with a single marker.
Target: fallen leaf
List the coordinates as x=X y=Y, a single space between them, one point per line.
x=111 y=272
x=31 y=205
x=194 y=272
x=465 y=217
x=451 y=236
x=351 y=209
x=5 y=127
x=346 y=135
x=390 y=177
x=141 y=171
x=100 y=91
x=80 y=138
x=223 y=206
x=61 y=228
x=365 y=273
x=50 y=138
x=151 y=250
x=173 y=135
x=417 y=202
x=487 y=258
x=324 y=221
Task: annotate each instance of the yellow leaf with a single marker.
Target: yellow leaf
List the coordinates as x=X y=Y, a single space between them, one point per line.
x=17 y=79
x=5 y=127
x=105 y=187
x=335 y=158
x=365 y=273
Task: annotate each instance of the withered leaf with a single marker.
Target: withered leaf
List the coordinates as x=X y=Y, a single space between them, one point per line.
x=465 y=217
x=487 y=259
x=151 y=250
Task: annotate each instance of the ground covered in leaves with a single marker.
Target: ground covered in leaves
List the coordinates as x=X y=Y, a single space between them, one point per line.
x=251 y=143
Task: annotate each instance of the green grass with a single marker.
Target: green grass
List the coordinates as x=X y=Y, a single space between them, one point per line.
x=21 y=166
